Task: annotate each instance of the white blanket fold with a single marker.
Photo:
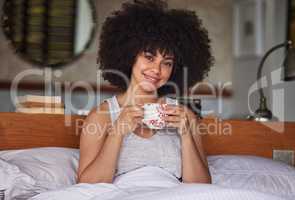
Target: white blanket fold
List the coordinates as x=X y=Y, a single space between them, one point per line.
x=150 y=183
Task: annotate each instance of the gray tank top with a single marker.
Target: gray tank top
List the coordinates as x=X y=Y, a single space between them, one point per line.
x=163 y=149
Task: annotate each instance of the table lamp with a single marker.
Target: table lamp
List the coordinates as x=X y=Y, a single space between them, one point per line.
x=263 y=113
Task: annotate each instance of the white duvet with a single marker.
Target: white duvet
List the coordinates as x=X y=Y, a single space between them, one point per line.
x=150 y=183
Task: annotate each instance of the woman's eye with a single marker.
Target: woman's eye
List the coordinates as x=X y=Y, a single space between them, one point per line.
x=150 y=58
x=169 y=64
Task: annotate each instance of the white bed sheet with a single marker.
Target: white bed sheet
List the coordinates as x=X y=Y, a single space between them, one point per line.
x=13 y=181
x=151 y=183
x=52 y=169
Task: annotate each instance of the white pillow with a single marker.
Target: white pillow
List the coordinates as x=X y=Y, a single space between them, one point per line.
x=51 y=168
x=253 y=173
x=13 y=181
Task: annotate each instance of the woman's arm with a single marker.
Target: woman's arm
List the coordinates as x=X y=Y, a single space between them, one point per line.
x=101 y=141
x=99 y=148
x=194 y=162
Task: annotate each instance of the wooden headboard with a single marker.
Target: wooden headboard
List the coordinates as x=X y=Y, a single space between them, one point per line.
x=18 y=131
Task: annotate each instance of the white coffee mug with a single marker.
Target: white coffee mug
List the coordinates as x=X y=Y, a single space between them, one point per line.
x=154 y=115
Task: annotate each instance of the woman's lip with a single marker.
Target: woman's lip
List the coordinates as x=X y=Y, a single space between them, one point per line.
x=151 y=78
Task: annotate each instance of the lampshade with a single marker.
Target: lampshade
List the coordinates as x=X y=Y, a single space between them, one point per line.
x=289 y=65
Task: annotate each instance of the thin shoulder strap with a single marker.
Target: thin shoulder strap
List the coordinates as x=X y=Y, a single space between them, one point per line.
x=171 y=101
x=114 y=108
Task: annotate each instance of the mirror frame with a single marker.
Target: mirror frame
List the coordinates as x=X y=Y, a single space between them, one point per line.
x=6 y=30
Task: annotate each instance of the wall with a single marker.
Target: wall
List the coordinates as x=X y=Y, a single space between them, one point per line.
x=280 y=95
x=83 y=25
x=217 y=18
x=287 y=88
x=216 y=15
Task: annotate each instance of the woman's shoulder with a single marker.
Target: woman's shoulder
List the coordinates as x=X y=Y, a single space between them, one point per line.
x=100 y=113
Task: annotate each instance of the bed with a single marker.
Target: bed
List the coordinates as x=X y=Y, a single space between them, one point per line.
x=39 y=158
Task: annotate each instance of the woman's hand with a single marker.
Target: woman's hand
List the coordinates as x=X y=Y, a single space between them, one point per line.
x=129 y=119
x=180 y=117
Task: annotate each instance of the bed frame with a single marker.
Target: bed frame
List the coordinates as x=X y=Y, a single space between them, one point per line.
x=18 y=131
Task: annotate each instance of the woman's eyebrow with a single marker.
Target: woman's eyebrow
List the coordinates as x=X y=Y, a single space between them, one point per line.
x=169 y=57
x=149 y=52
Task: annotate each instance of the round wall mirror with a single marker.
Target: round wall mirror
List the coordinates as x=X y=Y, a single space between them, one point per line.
x=49 y=33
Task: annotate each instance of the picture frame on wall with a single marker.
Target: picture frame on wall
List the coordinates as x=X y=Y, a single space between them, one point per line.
x=248 y=27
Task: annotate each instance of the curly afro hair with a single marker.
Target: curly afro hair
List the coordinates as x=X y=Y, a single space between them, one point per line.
x=148 y=25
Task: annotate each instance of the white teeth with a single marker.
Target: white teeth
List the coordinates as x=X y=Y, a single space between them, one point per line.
x=150 y=78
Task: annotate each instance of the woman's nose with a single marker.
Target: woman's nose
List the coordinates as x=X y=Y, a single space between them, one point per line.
x=156 y=67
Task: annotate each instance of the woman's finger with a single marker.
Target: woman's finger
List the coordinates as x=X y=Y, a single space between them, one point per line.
x=172 y=111
x=133 y=107
x=137 y=113
x=138 y=119
x=173 y=124
x=172 y=118
x=137 y=108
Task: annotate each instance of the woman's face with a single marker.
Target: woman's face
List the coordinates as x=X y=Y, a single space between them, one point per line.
x=150 y=71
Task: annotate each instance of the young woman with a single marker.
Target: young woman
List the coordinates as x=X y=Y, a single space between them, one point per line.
x=148 y=51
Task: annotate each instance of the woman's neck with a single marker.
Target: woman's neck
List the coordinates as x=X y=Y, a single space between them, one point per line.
x=135 y=95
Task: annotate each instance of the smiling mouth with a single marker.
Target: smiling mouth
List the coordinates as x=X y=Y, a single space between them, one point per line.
x=151 y=79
